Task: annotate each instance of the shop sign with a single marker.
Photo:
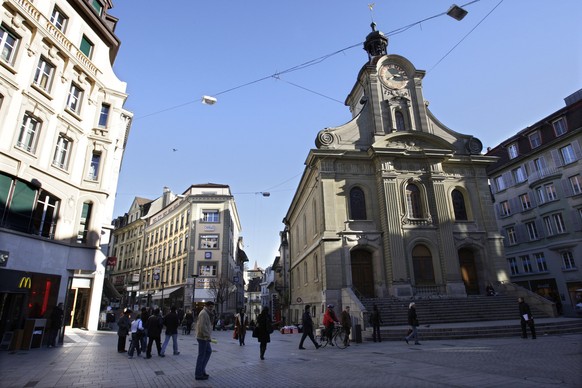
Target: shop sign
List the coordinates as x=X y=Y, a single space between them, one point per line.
x=25 y=282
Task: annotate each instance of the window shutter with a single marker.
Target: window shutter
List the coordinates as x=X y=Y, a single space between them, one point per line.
x=556 y=157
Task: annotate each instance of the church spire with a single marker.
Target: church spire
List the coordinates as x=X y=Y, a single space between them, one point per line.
x=376 y=43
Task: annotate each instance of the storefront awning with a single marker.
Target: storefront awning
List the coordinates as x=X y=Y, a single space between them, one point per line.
x=203 y=295
x=167 y=292
x=110 y=291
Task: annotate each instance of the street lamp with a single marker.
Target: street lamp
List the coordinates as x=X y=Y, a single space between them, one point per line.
x=193 y=303
x=162 y=283
x=457 y=12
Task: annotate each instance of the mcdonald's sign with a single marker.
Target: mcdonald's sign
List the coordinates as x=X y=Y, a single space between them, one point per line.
x=25 y=282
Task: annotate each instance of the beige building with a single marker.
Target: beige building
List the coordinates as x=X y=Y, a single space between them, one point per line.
x=537 y=185
x=392 y=203
x=63 y=132
x=189 y=251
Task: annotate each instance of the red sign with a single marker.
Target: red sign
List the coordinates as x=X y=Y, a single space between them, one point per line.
x=111 y=261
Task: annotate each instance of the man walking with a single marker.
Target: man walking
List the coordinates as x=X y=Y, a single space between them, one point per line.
x=171 y=321
x=346 y=321
x=55 y=323
x=307 y=322
x=375 y=321
x=155 y=326
x=526 y=319
x=203 y=332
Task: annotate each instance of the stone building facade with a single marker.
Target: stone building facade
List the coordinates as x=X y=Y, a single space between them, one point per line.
x=392 y=203
x=63 y=133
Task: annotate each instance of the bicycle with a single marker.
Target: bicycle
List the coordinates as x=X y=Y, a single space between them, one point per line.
x=338 y=337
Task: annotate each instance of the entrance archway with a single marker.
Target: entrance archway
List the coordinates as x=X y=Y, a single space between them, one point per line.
x=363 y=273
x=469 y=271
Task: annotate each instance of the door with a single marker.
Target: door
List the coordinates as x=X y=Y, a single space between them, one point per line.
x=469 y=271
x=362 y=273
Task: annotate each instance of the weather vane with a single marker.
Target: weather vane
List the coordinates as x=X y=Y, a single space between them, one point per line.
x=371 y=6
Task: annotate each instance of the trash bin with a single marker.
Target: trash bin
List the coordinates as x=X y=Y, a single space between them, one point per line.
x=358 y=334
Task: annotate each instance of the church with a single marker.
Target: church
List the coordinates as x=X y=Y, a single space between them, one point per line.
x=392 y=203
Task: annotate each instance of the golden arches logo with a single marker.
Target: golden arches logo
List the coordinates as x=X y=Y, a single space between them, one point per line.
x=25 y=282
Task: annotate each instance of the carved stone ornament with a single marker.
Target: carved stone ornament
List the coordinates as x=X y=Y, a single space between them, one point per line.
x=474 y=146
x=324 y=139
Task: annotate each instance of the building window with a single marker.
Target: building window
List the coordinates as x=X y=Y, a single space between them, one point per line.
x=513 y=267
x=567 y=260
x=45 y=215
x=535 y=139
x=399 y=121
x=511 y=236
x=551 y=192
x=104 y=115
x=519 y=174
x=43 y=77
x=526 y=264
x=97 y=6
x=540 y=192
x=209 y=241
x=525 y=201
x=513 y=151
x=29 y=133
x=357 y=204
x=86 y=47
x=548 y=224
x=504 y=208
x=568 y=155
x=576 y=184
x=305 y=274
x=413 y=201
x=59 y=19
x=459 y=205
x=423 y=265
x=74 y=99
x=62 y=150
x=8 y=44
x=532 y=231
x=210 y=216
x=208 y=270
x=559 y=126
x=559 y=223
x=540 y=164
x=84 y=223
x=94 y=166
x=500 y=183
x=541 y=262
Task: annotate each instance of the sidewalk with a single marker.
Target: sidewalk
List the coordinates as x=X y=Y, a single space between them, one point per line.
x=90 y=359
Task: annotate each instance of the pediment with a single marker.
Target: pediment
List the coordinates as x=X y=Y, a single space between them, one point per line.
x=413 y=142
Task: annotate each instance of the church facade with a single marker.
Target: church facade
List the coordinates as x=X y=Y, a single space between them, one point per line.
x=392 y=203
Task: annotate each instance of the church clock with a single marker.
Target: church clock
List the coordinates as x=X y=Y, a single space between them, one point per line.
x=393 y=76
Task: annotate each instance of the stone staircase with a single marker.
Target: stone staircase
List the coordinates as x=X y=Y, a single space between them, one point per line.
x=476 y=316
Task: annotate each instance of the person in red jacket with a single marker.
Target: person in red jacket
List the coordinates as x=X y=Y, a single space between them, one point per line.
x=329 y=321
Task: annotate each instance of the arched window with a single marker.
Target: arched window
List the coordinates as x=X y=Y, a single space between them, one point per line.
x=399 y=121
x=459 y=205
x=357 y=204
x=422 y=264
x=413 y=201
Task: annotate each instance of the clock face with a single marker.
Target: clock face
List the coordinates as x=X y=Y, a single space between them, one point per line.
x=393 y=76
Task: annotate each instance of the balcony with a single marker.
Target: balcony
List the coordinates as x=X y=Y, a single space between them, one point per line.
x=545 y=173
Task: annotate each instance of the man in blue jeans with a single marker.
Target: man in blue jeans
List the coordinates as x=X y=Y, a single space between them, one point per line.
x=203 y=332
x=171 y=321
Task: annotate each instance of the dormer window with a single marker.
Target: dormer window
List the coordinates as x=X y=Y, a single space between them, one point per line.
x=513 y=151
x=560 y=127
x=535 y=139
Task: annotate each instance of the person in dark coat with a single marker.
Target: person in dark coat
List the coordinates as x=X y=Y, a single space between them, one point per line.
x=240 y=325
x=123 y=326
x=375 y=321
x=526 y=319
x=172 y=322
x=263 y=330
x=145 y=315
x=55 y=322
x=155 y=326
x=346 y=321
x=413 y=322
x=307 y=323
x=188 y=321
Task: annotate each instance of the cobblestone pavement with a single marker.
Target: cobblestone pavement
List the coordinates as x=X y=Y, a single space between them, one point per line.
x=90 y=359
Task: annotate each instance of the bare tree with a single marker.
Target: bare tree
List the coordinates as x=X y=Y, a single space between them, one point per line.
x=221 y=289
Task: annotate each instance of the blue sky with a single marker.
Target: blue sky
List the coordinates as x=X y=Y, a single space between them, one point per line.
x=515 y=63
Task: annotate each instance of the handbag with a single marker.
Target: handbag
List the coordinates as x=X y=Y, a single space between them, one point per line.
x=235 y=334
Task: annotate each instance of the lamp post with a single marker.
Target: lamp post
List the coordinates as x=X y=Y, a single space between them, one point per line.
x=193 y=302
x=162 y=283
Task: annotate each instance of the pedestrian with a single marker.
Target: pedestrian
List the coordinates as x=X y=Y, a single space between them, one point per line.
x=413 y=322
x=329 y=321
x=346 y=321
x=136 y=331
x=375 y=321
x=55 y=322
x=203 y=336
x=171 y=321
x=526 y=319
x=188 y=321
x=123 y=325
x=145 y=315
x=307 y=323
x=155 y=326
x=263 y=330
x=240 y=326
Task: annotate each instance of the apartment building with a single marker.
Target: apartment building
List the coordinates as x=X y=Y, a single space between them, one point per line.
x=537 y=186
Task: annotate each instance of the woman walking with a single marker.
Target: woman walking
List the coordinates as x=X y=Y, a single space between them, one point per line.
x=263 y=330
x=413 y=322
